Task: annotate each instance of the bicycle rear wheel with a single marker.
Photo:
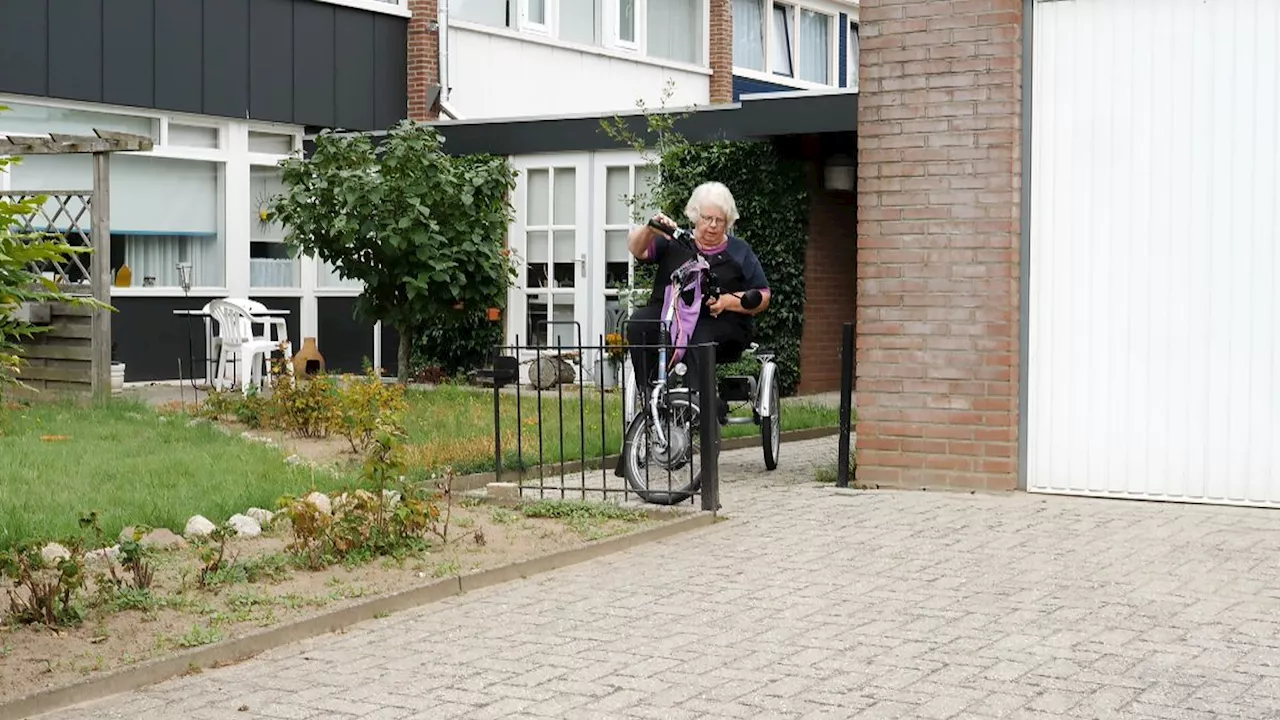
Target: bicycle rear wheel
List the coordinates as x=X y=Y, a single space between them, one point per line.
x=666 y=475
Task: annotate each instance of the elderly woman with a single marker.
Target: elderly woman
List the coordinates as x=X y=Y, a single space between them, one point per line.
x=713 y=212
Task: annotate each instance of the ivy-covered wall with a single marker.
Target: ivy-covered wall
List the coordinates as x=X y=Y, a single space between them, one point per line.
x=773 y=202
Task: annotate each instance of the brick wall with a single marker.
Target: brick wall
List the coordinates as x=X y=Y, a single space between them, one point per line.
x=830 y=293
x=424 y=57
x=937 y=328
x=721 y=52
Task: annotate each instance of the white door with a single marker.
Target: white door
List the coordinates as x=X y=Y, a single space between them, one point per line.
x=621 y=182
x=549 y=305
x=1154 y=356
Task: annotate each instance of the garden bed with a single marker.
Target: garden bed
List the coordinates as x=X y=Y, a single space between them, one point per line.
x=261 y=584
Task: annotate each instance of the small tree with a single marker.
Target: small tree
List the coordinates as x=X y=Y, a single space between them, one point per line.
x=424 y=231
x=21 y=254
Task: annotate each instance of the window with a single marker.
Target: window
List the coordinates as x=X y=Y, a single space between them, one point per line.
x=271 y=265
x=854 y=46
x=785 y=40
x=667 y=29
x=748 y=34
x=163 y=211
x=42 y=120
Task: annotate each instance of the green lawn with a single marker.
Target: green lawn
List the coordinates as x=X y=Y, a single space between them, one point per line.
x=131 y=466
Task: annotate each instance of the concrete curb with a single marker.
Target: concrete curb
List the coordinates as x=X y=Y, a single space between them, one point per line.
x=476 y=481
x=239 y=649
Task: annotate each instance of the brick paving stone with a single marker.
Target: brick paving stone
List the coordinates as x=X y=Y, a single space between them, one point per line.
x=815 y=602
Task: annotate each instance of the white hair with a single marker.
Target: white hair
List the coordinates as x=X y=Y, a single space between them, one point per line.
x=716 y=194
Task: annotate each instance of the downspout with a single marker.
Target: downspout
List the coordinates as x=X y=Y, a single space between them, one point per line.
x=444 y=49
x=1024 y=242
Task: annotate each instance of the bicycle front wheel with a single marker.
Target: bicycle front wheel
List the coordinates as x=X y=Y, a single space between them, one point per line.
x=665 y=473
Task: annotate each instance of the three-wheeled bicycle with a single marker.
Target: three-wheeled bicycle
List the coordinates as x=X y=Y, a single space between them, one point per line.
x=663 y=416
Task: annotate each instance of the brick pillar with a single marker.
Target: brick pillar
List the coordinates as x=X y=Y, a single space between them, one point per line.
x=939 y=174
x=721 y=52
x=424 y=57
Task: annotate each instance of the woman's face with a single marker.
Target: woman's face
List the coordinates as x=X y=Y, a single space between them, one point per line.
x=711 y=226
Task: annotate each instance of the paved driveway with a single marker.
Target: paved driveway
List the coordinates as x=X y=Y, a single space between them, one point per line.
x=817 y=603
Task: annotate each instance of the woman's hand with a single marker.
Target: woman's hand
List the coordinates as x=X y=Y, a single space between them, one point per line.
x=732 y=303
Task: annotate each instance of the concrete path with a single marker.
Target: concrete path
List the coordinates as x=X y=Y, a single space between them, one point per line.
x=816 y=603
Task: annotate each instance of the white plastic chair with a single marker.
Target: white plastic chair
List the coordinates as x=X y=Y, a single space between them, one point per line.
x=240 y=346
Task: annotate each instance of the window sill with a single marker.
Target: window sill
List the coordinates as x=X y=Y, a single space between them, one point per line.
x=399 y=9
x=167 y=292
x=796 y=83
x=616 y=54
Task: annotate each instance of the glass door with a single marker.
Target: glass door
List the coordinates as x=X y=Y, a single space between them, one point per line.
x=548 y=305
x=621 y=199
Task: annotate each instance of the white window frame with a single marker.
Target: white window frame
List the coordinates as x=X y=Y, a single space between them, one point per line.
x=543 y=27
x=612 y=15
x=832 y=11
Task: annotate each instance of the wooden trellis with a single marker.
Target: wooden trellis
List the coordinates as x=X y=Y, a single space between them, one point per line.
x=69 y=207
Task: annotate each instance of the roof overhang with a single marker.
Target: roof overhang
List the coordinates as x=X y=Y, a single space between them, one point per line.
x=755 y=117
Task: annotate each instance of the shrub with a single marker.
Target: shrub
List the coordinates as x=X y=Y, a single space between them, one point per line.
x=449 y=347
x=363 y=403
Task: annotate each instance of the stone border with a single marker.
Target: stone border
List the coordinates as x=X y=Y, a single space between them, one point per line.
x=238 y=650
x=467 y=483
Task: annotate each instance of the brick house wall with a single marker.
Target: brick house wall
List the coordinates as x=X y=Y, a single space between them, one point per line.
x=830 y=292
x=939 y=175
x=424 y=57
x=721 y=52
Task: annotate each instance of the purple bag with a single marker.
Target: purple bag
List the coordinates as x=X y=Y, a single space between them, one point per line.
x=686 y=317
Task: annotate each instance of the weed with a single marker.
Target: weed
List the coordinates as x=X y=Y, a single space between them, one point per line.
x=211 y=556
x=43 y=592
x=502 y=516
x=199 y=635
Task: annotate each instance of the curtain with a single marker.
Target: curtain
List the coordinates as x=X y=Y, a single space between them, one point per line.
x=675 y=30
x=815 y=46
x=854 y=48
x=748 y=34
x=157 y=256
x=579 y=21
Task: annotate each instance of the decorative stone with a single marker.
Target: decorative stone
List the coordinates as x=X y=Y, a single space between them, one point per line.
x=264 y=517
x=321 y=501
x=160 y=537
x=110 y=553
x=503 y=491
x=54 y=552
x=245 y=526
x=199 y=526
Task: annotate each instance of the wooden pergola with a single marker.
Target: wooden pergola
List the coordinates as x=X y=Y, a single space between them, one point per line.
x=98 y=201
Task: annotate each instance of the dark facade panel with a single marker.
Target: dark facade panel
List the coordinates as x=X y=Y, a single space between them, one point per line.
x=128 y=66
x=313 y=63
x=75 y=53
x=353 y=43
x=226 y=58
x=179 y=40
x=150 y=340
x=271 y=57
x=297 y=61
x=390 y=77
x=24 y=54
x=344 y=341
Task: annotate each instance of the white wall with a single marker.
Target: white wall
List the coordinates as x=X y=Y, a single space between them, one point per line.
x=493 y=74
x=1154 y=354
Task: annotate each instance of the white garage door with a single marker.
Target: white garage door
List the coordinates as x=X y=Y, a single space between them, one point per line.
x=1154 y=370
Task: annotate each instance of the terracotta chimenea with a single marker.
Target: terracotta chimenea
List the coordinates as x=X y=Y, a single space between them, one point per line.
x=308 y=360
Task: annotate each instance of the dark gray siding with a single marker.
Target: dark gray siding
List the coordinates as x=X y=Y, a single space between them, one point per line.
x=296 y=61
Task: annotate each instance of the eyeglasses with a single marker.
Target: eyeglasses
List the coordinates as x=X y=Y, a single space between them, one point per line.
x=714 y=221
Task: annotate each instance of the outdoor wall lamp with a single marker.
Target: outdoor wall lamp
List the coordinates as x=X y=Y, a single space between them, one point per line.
x=184 y=277
x=840 y=173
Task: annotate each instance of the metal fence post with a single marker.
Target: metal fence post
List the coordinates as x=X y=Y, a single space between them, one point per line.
x=708 y=412
x=846 y=404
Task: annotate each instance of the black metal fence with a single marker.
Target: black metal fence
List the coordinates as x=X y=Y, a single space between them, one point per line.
x=570 y=423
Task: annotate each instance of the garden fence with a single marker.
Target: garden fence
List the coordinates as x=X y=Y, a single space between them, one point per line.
x=561 y=412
